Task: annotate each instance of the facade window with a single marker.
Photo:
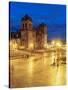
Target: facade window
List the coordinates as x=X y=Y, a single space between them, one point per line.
x=26 y=26
x=23 y=26
x=30 y=26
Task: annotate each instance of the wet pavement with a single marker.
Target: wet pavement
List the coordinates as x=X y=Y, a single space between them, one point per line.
x=36 y=70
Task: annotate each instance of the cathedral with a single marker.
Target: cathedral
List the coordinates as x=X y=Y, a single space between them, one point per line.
x=29 y=37
x=32 y=38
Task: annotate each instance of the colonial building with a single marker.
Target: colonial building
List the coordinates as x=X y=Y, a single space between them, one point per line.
x=27 y=33
x=41 y=36
x=31 y=38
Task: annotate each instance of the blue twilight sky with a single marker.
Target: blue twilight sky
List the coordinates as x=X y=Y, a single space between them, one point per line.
x=52 y=15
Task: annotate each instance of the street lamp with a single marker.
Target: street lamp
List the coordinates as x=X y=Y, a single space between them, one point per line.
x=13 y=45
x=31 y=45
x=56 y=43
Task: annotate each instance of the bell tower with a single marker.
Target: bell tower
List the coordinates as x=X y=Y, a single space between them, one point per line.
x=26 y=23
x=42 y=36
x=27 y=37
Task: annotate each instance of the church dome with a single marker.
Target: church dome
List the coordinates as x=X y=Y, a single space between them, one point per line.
x=26 y=17
x=42 y=25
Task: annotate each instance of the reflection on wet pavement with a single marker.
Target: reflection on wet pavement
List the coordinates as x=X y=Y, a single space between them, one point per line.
x=37 y=70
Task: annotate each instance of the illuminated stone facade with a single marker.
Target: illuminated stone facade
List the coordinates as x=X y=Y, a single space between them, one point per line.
x=31 y=38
